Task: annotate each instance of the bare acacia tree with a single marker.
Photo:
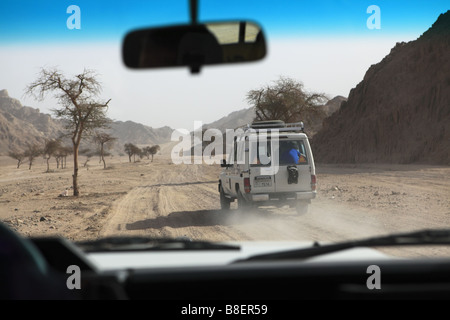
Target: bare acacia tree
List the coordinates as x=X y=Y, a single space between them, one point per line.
x=51 y=148
x=104 y=141
x=150 y=151
x=286 y=100
x=131 y=150
x=32 y=152
x=63 y=152
x=89 y=154
x=153 y=150
x=146 y=152
x=61 y=156
x=17 y=155
x=80 y=108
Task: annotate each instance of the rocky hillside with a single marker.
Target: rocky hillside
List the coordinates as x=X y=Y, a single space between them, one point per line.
x=242 y=117
x=21 y=125
x=314 y=121
x=138 y=134
x=234 y=120
x=400 y=111
x=333 y=105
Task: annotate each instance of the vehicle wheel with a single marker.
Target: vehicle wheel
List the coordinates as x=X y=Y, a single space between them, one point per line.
x=302 y=208
x=224 y=201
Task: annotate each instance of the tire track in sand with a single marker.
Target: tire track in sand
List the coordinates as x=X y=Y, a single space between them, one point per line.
x=185 y=204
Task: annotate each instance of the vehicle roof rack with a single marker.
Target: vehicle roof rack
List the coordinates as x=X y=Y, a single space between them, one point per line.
x=268 y=124
x=280 y=125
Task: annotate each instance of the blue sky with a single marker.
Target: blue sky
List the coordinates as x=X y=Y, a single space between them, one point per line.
x=324 y=44
x=108 y=20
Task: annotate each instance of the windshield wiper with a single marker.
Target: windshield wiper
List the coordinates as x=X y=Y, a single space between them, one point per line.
x=416 y=238
x=149 y=244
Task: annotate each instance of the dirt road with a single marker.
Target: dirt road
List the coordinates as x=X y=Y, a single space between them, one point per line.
x=162 y=199
x=353 y=202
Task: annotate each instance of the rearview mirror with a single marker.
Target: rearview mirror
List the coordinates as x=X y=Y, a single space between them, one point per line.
x=194 y=45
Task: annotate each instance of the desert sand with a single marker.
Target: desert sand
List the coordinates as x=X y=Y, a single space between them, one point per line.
x=160 y=198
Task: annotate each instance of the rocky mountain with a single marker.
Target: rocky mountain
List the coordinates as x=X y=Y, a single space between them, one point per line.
x=314 y=121
x=233 y=120
x=138 y=134
x=333 y=105
x=242 y=117
x=21 y=125
x=400 y=111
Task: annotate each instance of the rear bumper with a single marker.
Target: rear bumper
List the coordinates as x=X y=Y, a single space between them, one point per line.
x=283 y=196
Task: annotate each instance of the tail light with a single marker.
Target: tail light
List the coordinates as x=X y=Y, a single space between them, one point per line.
x=313 y=182
x=247 y=186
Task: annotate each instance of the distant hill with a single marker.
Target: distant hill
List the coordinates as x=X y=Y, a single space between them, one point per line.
x=21 y=125
x=242 y=117
x=400 y=111
x=314 y=122
x=233 y=120
x=138 y=134
x=333 y=105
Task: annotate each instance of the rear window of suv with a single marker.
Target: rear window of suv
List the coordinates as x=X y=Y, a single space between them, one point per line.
x=261 y=153
x=292 y=152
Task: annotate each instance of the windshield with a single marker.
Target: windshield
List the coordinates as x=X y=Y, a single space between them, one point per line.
x=90 y=148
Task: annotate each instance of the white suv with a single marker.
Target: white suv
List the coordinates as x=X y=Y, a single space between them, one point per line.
x=270 y=163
